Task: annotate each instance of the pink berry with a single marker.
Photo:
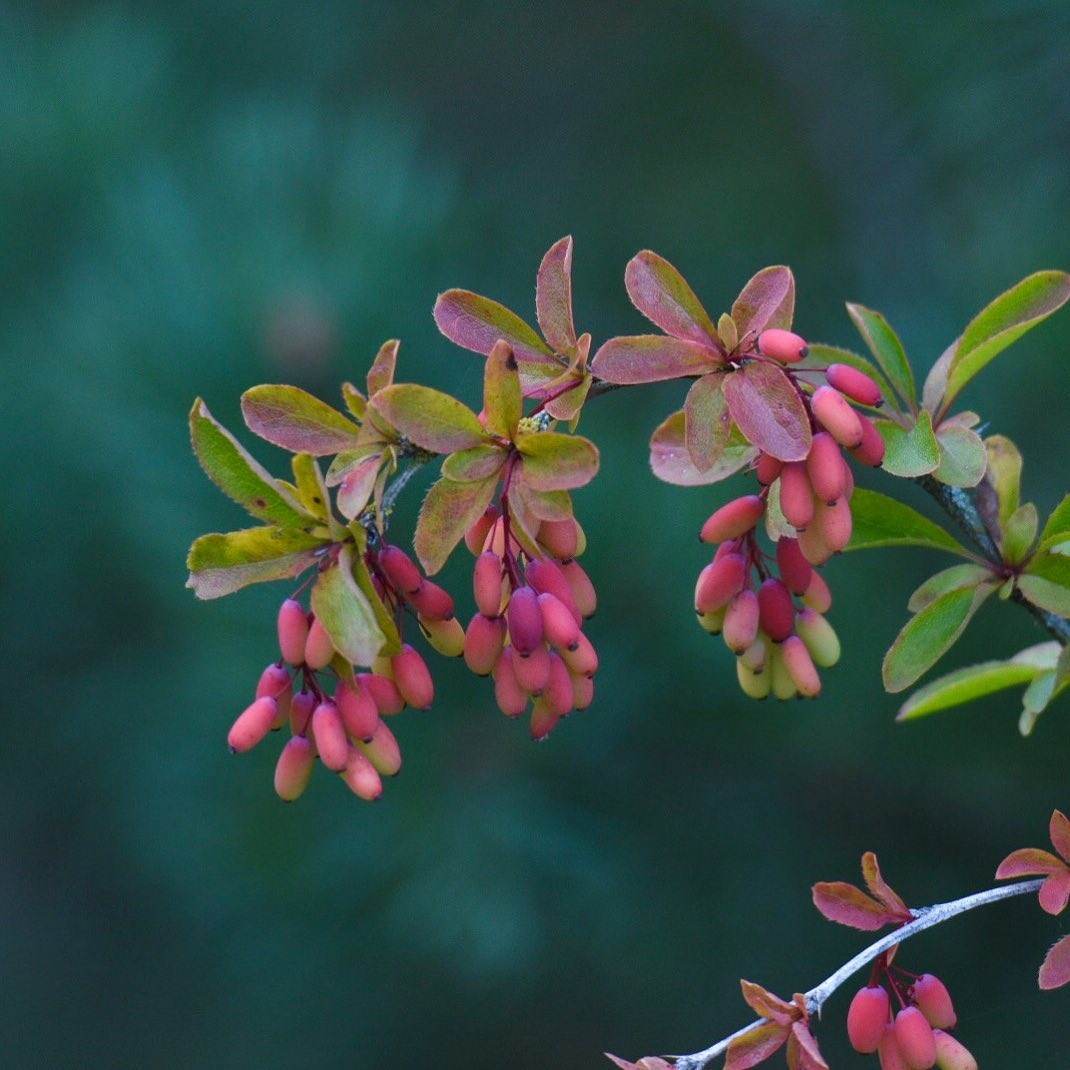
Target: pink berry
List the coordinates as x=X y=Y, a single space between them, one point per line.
x=785 y=346
x=934 y=1001
x=867 y=1017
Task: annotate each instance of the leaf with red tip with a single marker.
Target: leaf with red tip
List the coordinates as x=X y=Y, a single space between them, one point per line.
x=662 y=294
x=808 y=1054
x=222 y=564
x=1055 y=892
x=1055 y=971
x=671 y=461
x=357 y=486
x=503 y=404
x=346 y=613
x=652 y=358
x=553 y=296
x=1029 y=862
x=555 y=461
x=879 y=888
x=847 y=905
x=297 y=421
x=707 y=423
x=1059 y=830
x=768 y=300
x=448 y=511
x=381 y=373
x=768 y=410
x=756 y=1046
x=767 y=1005
x=429 y=418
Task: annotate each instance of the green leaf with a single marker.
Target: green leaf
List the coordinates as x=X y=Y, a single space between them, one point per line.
x=965 y=685
x=1053 y=567
x=652 y=358
x=383 y=617
x=727 y=332
x=544 y=504
x=910 y=453
x=429 y=418
x=670 y=461
x=553 y=296
x=1057 y=528
x=221 y=564
x=346 y=614
x=821 y=356
x=927 y=636
x=767 y=409
x=231 y=468
x=347 y=460
x=707 y=423
x=882 y=521
x=949 y=579
x=297 y=421
x=662 y=294
x=768 y=300
x=1004 y=473
x=555 y=461
x=503 y=405
x=1046 y=594
x=1004 y=321
x=448 y=511
x=355 y=401
x=381 y=373
x=962 y=457
x=475 y=464
x=1018 y=533
x=885 y=346
x=310 y=486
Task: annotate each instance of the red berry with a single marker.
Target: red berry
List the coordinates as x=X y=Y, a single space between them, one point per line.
x=293 y=770
x=483 y=643
x=487 y=584
x=855 y=384
x=560 y=537
x=383 y=751
x=583 y=660
x=558 y=624
x=319 y=649
x=914 y=1036
x=293 y=631
x=525 y=620
x=252 y=724
x=795 y=570
x=826 y=467
x=330 y=735
x=735 y=518
x=384 y=691
x=934 y=1001
x=871 y=449
x=741 y=621
x=511 y=698
x=432 y=601
x=800 y=667
x=719 y=582
x=950 y=1054
x=532 y=672
x=768 y=468
x=359 y=713
x=582 y=588
x=476 y=535
x=413 y=678
x=400 y=569
x=866 y=1018
x=776 y=610
x=361 y=777
x=796 y=495
x=836 y=415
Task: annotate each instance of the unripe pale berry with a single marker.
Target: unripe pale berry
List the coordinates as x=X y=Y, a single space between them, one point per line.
x=867 y=1017
x=383 y=691
x=413 y=678
x=582 y=691
x=753 y=684
x=768 y=468
x=835 y=523
x=914 y=1036
x=796 y=495
x=293 y=770
x=330 y=736
x=934 y=1001
x=525 y=620
x=950 y=1054
x=558 y=624
x=817 y=595
x=252 y=724
x=445 y=636
x=800 y=667
x=855 y=384
x=741 y=621
x=826 y=467
x=383 y=751
x=558 y=692
x=361 y=777
x=431 y=601
x=301 y=707
x=754 y=657
x=400 y=569
x=318 y=646
x=785 y=346
x=782 y=685
x=487 y=584
x=891 y=1058
x=713 y=621
x=483 y=643
x=813 y=546
x=837 y=417
x=582 y=660
x=359 y=713
x=511 y=698
x=583 y=591
x=293 y=631
x=719 y=582
x=543 y=719
x=819 y=636
x=545 y=577
x=476 y=535
x=532 y=671
x=776 y=610
x=871 y=449
x=795 y=570
x=560 y=537
x=733 y=519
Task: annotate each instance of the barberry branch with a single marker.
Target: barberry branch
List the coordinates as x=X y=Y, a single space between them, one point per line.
x=924 y=918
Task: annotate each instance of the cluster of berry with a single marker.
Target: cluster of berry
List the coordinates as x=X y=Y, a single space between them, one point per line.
x=780 y=645
x=916 y=1038
x=345 y=730
x=527 y=631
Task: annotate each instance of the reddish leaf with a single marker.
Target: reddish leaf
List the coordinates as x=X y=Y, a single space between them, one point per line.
x=567 y=405
x=1029 y=862
x=648 y=1062
x=847 y=905
x=544 y=504
x=555 y=461
x=553 y=296
x=767 y=1005
x=652 y=358
x=756 y=1046
x=1055 y=971
x=707 y=423
x=671 y=462
x=768 y=410
x=768 y=300
x=807 y=1054
x=297 y=421
x=355 y=489
x=381 y=373
x=661 y=293
x=448 y=511
x=502 y=403
x=431 y=419
x=1055 y=892
x=1059 y=830
x=879 y=887
x=472 y=465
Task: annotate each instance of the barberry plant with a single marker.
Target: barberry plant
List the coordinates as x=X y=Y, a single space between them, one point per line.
x=790 y=418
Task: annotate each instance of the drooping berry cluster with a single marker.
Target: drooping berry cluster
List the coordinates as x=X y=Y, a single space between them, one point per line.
x=527 y=632
x=916 y=1037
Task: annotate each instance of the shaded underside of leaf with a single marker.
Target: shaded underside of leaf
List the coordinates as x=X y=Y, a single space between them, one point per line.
x=1029 y=862
x=767 y=300
x=882 y=521
x=220 y=564
x=965 y=685
x=553 y=296
x=430 y=418
x=357 y=486
x=662 y=294
x=346 y=614
x=297 y=421
x=768 y=410
x=707 y=423
x=671 y=462
x=448 y=511
x=755 y=1046
x=962 y=457
x=652 y=358
x=879 y=888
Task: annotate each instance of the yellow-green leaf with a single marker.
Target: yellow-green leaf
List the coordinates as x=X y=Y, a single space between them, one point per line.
x=910 y=452
x=1019 y=531
x=448 y=511
x=310 y=486
x=297 y=421
x=346 y=614
x=962 y=457
x=475 y=464
x=429 y=418
x=220 y=564
x=949 y=579
x=882 y=521
x=1057 y=528
x=551 y=460
x=502 y=402
x=1004 y=473
x=885 y=346
x=381 y=373
x=707 y=422
x=965 y=685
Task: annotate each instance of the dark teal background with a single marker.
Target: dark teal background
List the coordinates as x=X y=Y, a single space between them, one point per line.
x=197 y=198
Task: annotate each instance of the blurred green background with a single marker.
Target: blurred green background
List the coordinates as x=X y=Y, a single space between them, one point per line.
x=197 y=198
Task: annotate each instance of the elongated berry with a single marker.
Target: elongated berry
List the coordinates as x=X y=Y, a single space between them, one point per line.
x=293 y=631
x=889 y=1053
x=582 y=588
x=754 y=657
x=914 y=1036
x=525 y=620
x=735 y=518
x=934 y=1001
x=753 y=684
x=582 y=690
x=785 y=346
x=413 y=678
x=445 y=636
x=950 y=1054
x=781 y=683
x=252 y=724
x=776 y=610
x=558 y=624
x=495 y=540
x=826 y=467
x=545 y=577
x=384 y=692
x=532 y=671
x=487 y=584
x=544 y=719
x=558 y=691
x=719 y=582
x=855 y=384
x=870 y=450
x=819 y=637
x=301 y=707
x=431 y=601
x=834 y=523
x=817 y=594
x=330 y=736
x=318 y=646
x=400 y=569
x=359 y=713
x=813 y=546
x=741 y=621
x=275 y=682
x=583 y=659
x=800 y=667
x=476 y=535
x=483 y=642
x=796 y=495
x=511 y=698
x=795 y=570
x=560 y=537
x=361 y=777
x=867 y=1017
x=768 y=468
x=713 y=621
x=837 y=417
x=382 y=750
x=293 y=770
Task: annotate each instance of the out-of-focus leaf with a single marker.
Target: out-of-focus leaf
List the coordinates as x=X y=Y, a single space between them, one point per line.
x=431 y=419
x=1004 y=321
x=555 y=461
x=1059 y=831
x=1057 y=528
x=1029 y=862
x=767 y=409
x=1018 y=531
x=345 y=612
x=886 y=348
x=1055 y=970
x=909 y=453
x=882 y=521
x=661 y=293
x=927 y=636
x=475 y=464
x=845 y=904
x=707 y=423
x=962 y=457
x=357 y=486
x=553 y=296
x=310 y=486
x=767 y=300
x=1053 y=567
x=727 y=332
x=355 y=401
x=502 y=402
x=221 y=564
x=448 y=511
x=1004 y=473
x=381 y=373
x=1046 y=594
x=297 y=421
x=965 y=685
x=821 y=356
x=383 y=617
x=949 y=579
x=965 y=418
x=755 y=1046
x=671 y=462
x=652 y=358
